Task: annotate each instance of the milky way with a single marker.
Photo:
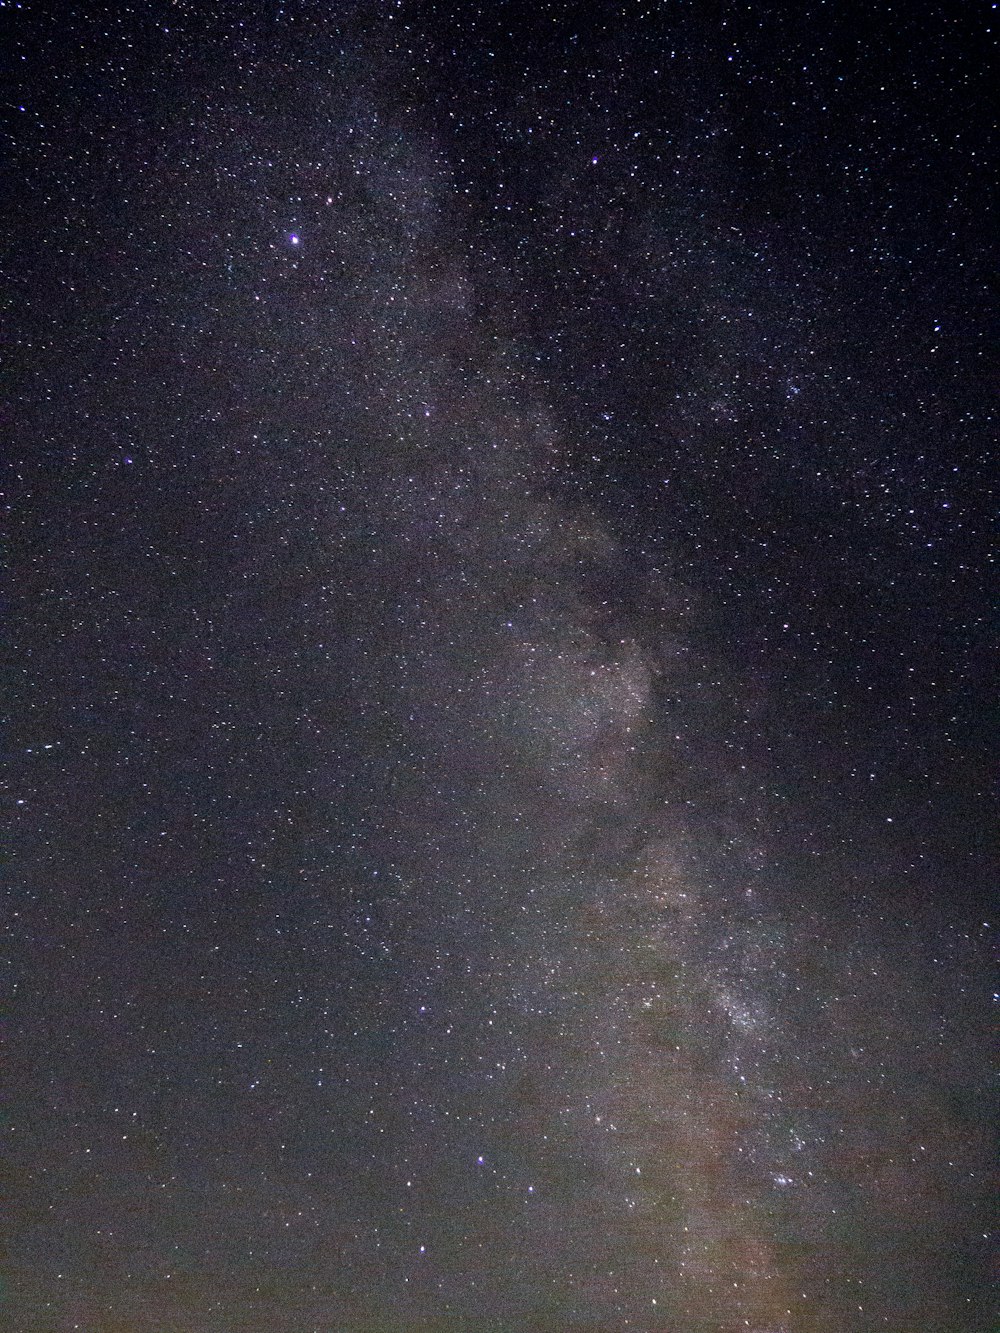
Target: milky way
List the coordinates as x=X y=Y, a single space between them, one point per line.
x=496 y=765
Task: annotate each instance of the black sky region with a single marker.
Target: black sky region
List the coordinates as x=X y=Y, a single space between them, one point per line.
x=498 y=673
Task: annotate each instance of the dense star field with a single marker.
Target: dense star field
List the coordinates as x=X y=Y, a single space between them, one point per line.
x=497 y=765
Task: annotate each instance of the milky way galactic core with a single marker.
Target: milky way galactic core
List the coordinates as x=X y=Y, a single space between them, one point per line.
x=498 y=504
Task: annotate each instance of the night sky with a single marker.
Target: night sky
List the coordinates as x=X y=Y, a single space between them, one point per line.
x=499 y=667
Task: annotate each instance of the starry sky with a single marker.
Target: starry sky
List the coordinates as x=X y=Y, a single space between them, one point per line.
x=497 y=761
